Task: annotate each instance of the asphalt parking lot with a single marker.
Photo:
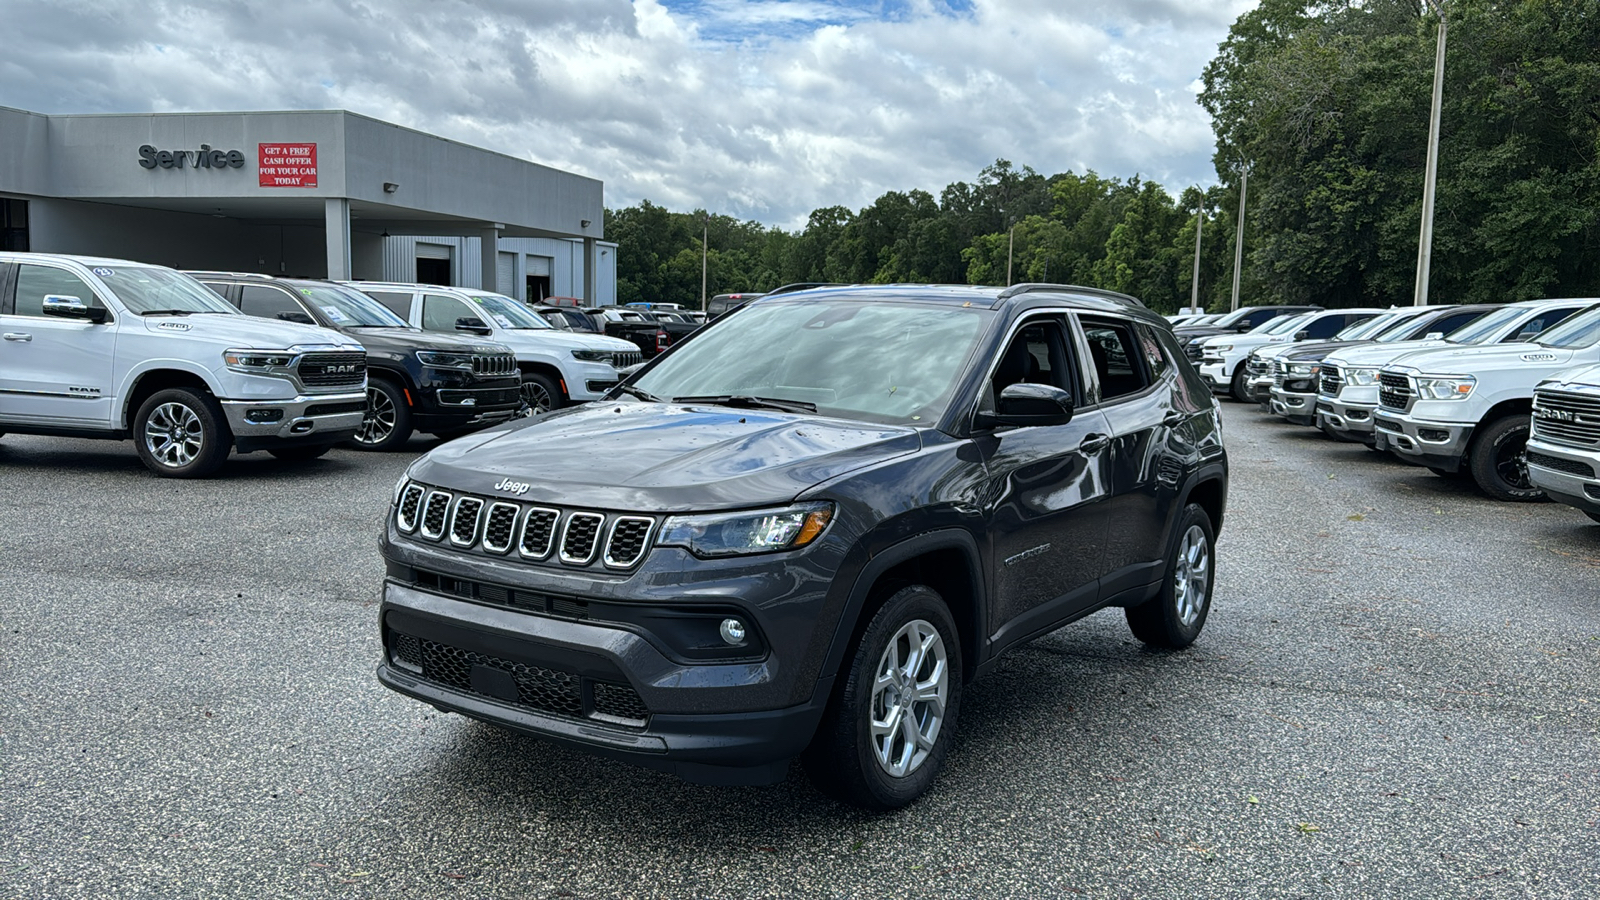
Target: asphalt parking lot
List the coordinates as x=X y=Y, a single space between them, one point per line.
x=1397 y=694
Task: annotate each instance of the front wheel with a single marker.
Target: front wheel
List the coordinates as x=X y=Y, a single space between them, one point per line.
x=1240 y=387
x=180 y=433
x=887 y=731
x=387 y=424
x=1499 y=460
x=541 y=393
x=1174 y=618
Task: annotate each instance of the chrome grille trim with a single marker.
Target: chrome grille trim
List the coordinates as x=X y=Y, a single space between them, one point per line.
x=585 y=539
x=497 y=514
x=311 y=368
x=1394 y=391
x=493 y=364
x=464 y=532
x=412 y=497
x=442 y=500
x=631 y=526
x=540 y=519
x=1332 y=380
x=1581 y=425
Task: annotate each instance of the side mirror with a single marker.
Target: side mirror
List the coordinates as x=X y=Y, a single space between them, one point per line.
x=1030 y=404
x=298 y=317
x=473 y=325
x=1241 y=329
x=1434 y=336
x=68 y=307
x=1302 y=334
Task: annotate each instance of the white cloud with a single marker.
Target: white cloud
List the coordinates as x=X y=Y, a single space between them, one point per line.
x=761 y=110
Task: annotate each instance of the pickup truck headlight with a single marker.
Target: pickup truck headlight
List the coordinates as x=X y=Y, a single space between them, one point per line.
x=444 y=359
x=257 y=362
x=741 y=533
x=1219 y=349
x=592 y=355
x=1450 y=387
x=1361 y=377
x=1304 y=370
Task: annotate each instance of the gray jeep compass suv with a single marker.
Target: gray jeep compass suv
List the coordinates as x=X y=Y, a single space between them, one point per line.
x=814 y=523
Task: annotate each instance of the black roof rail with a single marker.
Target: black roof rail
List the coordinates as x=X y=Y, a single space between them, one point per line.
x=1041 y=287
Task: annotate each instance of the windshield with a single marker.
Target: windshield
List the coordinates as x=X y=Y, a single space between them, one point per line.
x=508 y=313
x=1481 y=329
x=147 y=289
x=1582 y=330
x=349 y=308
x=1366 y=328
x=880 y=362
x=1281 y=325
x=1400 y=330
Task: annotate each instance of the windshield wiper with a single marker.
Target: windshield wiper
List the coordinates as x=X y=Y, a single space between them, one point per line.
x=744 y=401
x=632 y=391
x=168 y=312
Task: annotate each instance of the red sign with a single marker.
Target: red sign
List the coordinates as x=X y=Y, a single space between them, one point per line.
x=288 y=165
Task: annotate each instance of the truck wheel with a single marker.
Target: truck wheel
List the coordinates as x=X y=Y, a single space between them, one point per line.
x=1499 y=460
x=1240 y=387
x=387 y=424
x=541 y=393
x=1174 y=618
x=180 y=433
x=301 y=454
x=888 y=729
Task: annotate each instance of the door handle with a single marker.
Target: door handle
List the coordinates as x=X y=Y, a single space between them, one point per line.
x=18 y=336
x=1094 y=443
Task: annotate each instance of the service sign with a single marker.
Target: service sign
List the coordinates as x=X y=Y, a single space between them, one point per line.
x=288 y=165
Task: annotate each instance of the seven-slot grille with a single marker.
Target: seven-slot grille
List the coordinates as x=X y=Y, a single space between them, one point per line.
x=575 y=538
x=1332 y=380
x=1394 y=391
x=1561 y=417
x=625 y=358
x=343 y=369
x=493 y=364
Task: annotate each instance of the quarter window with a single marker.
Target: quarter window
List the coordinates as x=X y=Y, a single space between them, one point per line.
x=395 y=302
x=1116 y=358
x=34 y=283
x=1154 y=354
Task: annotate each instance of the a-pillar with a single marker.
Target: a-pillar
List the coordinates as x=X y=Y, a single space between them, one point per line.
x=589 y=267
x=336 y=220
x=489 y=257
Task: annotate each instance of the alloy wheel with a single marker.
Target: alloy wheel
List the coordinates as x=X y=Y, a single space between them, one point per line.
x=1511 y=464
x=174 y=435
x=378 y=424
x=909 y=693
x=537 y=398
x=1191 y=575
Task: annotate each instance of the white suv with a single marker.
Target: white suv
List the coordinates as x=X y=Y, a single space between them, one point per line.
x=558 y=367
x=1222 y=357
x=105 y=348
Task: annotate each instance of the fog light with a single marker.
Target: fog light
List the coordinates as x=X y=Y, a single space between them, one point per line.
x=733 y=631
x=263 y=415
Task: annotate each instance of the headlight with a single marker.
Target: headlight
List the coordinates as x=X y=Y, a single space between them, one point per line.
x=1452 y=387
x=1219 y=348
x=1362 y=377
x=443 y=359
x=740 y=533
x=1304 y=369
x=255 y=362
x=592 y=355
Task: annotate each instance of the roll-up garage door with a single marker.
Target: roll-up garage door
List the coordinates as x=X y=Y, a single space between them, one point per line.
x=505 y=269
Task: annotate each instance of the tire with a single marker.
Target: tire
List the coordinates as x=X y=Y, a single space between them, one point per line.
x=387 y=425
x=1498 y=460
x=180 y=433
x=844 y=759
x=1175 y=617
x=301 y=454
x=1239 y=387
x=541 y=393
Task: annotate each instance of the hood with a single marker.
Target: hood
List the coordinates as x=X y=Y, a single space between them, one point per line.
x=404 y=339
x=658 y=457
x=1586 y=378
x=1474 y=360
x=562 y=340
x=1314 y=349
x=245 y=332
x=1379 y=355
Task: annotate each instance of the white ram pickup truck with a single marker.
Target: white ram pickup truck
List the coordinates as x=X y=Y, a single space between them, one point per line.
x=105 y=348
x=1564 y=447
x=1470 y=409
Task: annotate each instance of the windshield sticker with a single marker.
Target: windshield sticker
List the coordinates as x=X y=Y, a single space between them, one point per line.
x=504 y=322
x=103 y=272
x=333 y=314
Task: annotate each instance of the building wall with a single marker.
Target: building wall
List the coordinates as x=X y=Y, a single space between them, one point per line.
x=565 y=259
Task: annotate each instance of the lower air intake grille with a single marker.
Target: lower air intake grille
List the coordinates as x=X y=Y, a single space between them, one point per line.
x=1569 y=466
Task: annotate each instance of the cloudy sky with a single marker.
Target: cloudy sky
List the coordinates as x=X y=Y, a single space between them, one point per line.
x=761 y=109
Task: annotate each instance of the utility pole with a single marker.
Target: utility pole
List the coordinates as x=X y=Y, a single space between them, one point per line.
x=705 y=235
x=1011 y=243
x=1431 y=177
x=1199 y=222
x=1238 y=240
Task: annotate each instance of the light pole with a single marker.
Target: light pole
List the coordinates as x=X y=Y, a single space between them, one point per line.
x=705 y=235
x=1238 y=239
x=1011 y=243
x=1199 y=222
x=1431 y=176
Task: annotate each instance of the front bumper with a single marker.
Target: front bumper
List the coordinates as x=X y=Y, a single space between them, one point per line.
x=452 y=408
x=1349 y=421
x=307 y=418
x=1559 y=472
x=1423 y=442
x=1299 y=408
x=1259 y=389
x=1216 y=375
x=589 y=380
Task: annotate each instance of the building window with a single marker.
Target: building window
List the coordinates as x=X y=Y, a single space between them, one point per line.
x=13 y=225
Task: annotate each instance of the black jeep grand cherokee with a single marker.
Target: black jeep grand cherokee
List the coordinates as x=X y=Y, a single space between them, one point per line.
x=813 y=524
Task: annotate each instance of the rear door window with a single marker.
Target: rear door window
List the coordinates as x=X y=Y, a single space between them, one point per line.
x=1116 y=357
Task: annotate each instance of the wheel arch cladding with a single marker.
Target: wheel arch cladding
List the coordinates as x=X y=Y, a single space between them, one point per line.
x=1211 y=496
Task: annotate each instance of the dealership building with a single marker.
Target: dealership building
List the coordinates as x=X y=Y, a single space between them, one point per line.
x=315 y=194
